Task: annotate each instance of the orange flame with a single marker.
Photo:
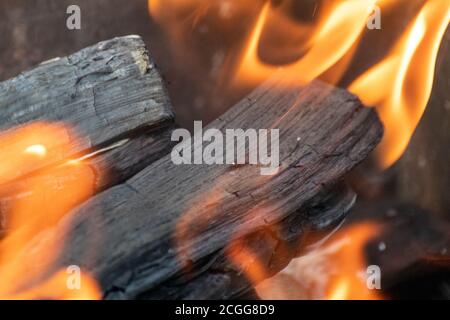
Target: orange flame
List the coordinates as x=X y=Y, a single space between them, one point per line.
x=336 y=270
x=349 y=17
x=349 y=277
x=35 y=202
x=325 y=47
x=400 y=85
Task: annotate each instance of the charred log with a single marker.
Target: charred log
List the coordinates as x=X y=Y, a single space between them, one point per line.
x=173 y=221
x=171 y=227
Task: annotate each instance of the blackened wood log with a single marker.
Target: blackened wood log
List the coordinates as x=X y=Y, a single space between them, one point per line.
x=423 y=171
x=111 y=108
x=412 y=248
x=102 y=94
x=173 y=224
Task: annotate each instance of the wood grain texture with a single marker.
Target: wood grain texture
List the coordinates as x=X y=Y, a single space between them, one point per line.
x=105 y=104
x=416 y=248
x=101 y=94
x=424 y=170
x=173 y=222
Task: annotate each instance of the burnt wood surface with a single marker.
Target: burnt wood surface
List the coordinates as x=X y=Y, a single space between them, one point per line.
x=102 y=94
x=168 y=230
x=173 y=224
x=111 y=105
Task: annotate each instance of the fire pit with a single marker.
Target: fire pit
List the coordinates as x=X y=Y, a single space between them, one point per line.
x=321 y=171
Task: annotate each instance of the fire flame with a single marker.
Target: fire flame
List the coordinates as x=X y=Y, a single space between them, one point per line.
x=399 y=85
x=328 y=46
x=348 y=281
x=349 y=17
x=337 y=270
x=32 y=204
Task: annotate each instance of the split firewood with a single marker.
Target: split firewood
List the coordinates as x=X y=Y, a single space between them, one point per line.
x=196 y=231
x=111 y=108
x=419 y=180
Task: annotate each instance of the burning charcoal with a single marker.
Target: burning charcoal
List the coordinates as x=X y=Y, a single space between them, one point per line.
x=171 y=223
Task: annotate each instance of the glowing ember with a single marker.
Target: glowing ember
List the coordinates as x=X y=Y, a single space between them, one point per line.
x=341 y=290
x=39 y=201
x=37 y=149
x=31 y=147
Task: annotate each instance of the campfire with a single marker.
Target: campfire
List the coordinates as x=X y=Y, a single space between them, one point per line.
x=100 y=198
